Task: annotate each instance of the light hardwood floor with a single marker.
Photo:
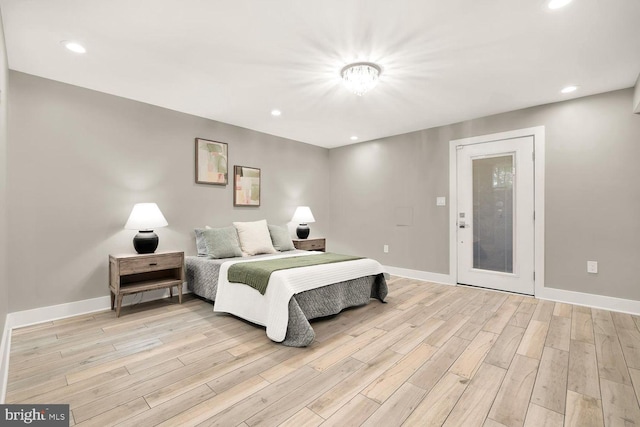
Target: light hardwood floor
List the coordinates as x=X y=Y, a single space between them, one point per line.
x=433 y=355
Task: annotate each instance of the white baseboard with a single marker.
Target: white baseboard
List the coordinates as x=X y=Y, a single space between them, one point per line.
x=427 y=276
x=591 y=300
x=551 y=294
x=5 y=347
x=20 y=319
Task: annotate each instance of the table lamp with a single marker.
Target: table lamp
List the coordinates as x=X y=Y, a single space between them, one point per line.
x=303 y=216
x=145 y=217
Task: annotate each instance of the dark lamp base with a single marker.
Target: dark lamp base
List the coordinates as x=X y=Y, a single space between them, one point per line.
x=145 y=242
x=303 y=231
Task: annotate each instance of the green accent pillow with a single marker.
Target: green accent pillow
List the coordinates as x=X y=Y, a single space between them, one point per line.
x=280 y=238
x=222 y=242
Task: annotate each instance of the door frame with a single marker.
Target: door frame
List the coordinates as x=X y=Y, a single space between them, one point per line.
x=539 y=165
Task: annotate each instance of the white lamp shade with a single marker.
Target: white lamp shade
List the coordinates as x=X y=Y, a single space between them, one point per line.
x=303 y=215
x=145 y=216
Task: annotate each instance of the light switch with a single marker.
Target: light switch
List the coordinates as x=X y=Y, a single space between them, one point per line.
x=592 y=267
x=441 y=201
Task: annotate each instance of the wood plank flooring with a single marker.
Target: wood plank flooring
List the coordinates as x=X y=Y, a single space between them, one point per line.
x=433 y=355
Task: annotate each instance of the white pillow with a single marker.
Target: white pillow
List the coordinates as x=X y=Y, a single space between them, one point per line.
x=254 y=237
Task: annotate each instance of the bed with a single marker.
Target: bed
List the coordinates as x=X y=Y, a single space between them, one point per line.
x=310 y=292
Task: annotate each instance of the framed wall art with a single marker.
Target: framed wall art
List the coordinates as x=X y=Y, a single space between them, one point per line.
x=246 y=186
x=211 y=162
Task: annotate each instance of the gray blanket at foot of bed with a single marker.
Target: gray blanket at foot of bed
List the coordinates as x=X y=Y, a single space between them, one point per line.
x=326 y=301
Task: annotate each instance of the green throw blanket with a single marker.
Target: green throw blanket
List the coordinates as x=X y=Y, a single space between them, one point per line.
x=256 y=273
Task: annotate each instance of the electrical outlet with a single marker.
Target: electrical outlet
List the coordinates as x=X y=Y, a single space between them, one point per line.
x=592 y=267
x=441 y=201
x=385 y=249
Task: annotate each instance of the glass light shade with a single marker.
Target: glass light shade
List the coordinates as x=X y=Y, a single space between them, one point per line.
x=303 y=215
x=145 y=216
x=360 y=77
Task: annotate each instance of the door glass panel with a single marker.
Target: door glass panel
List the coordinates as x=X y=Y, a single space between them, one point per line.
x=493 y=214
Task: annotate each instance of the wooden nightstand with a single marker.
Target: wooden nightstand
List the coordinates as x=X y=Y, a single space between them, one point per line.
x=310 y=244
x=130 y=274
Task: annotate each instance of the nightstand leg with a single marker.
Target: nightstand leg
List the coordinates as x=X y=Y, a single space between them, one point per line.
x=113 y=300
x=180 y=293
x=171 y=292
x=119 y=305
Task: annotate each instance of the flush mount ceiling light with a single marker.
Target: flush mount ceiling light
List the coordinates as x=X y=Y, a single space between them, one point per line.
x=557 y=4
x=360 y=77
x=354 y=138
x=73 y=46
x=276 y=113
x=569 y=89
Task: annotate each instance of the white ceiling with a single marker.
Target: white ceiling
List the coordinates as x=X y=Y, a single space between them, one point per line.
x=236 y=60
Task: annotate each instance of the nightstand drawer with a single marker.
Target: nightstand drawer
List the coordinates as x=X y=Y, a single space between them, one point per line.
x=314 y=245
x=146 y=264
x=310 y=245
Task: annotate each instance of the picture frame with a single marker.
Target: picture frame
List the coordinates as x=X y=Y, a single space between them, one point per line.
x=246 y=186
x=212 y=162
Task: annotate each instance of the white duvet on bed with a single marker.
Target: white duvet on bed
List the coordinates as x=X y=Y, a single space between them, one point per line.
x=272 y=308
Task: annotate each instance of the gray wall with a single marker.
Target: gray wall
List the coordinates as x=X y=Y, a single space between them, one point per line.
x=592 y=193
x=79 y=160
x=4 y=285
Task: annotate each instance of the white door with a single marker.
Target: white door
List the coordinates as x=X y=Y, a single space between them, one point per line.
x=495 y=218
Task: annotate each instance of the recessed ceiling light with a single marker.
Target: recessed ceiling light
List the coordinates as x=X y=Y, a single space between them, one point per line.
x=276 y=113
x=73 y=46
x=569 y=89
x=557 y=4
x=354 y=138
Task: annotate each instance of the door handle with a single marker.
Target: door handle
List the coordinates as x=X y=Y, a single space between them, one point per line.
x=462 y=224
